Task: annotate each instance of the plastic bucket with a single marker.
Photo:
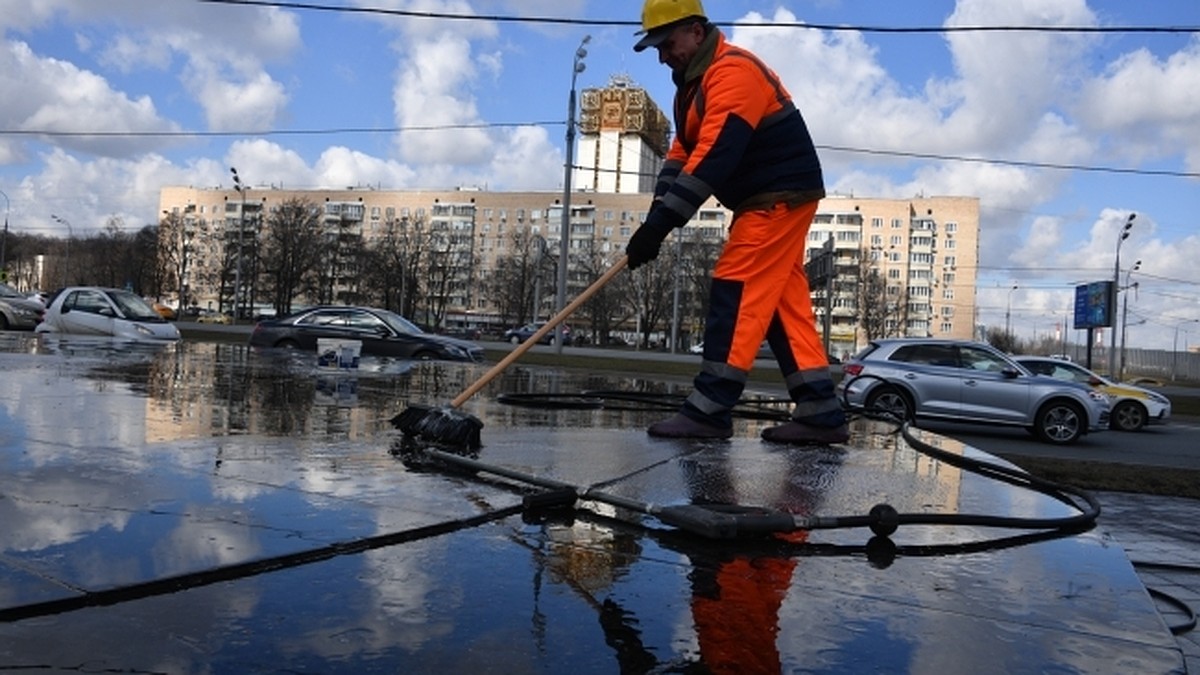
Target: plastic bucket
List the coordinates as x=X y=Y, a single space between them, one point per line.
x=341 y=354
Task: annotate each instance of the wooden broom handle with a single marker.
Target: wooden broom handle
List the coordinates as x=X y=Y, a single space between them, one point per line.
x=549 y=326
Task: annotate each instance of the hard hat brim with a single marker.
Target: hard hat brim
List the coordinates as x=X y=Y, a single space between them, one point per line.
x=654 y=38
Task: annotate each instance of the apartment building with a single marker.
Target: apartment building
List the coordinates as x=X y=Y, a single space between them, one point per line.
x=922 y=251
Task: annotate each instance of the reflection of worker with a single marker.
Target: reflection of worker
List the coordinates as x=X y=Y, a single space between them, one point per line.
x=739 y=137
x=737 y=591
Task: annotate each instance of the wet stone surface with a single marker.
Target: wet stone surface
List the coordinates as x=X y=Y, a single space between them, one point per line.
x=210 y=508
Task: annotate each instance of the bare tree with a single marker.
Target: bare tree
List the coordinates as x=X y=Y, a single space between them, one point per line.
x=649 y=296
x=446 y=271
x=607 y=309
x=696 y=266
x=292 y=251
x=512 y=287
x=392 y=272
x=882 y=307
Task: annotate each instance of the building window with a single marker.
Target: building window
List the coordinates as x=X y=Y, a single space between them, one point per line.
x=897 y=223
x=949 y=261
x=877 y=222
x=947 y=327
x=951 y=227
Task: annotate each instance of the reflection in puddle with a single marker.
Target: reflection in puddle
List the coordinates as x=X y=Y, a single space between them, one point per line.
x=125 y=468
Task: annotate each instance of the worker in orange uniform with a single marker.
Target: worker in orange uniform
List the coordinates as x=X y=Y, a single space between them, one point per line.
x=738 y=136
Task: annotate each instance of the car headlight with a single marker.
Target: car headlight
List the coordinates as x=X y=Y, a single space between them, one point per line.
x=142 y=329
x=1100 y=397
x=457 y=351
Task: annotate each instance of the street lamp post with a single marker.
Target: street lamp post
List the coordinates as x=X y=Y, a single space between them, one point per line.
x=237 y=271
x=4 y=240
x=1125 y=316
x=565 y=231
x=537 y=276
x=1175 y=347
x=1008 y=317
x=1112 y=350
x=70 y=236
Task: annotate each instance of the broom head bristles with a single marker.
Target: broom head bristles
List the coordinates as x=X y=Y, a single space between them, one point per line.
x=443 y=426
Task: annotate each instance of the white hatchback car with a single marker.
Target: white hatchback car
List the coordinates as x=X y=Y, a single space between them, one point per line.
x=105 y=312
x=1133 y=407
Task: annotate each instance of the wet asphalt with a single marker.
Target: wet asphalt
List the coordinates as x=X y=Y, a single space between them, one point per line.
x=203 y=507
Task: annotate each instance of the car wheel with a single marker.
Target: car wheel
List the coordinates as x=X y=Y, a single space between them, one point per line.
x=1059 y=423
x=515 y=340
x=288 y=344
x=890 y=401
x=1127 y=416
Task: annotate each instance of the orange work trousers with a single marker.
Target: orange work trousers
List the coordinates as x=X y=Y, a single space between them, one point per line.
x=759 y=291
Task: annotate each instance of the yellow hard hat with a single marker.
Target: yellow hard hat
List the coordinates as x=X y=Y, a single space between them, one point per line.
x=657 y=14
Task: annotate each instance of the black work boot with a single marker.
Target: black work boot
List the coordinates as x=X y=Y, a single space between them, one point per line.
x=798 y=433
x=682 y=426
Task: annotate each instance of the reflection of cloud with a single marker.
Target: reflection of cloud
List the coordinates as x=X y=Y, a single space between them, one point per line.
x=57 y=506
x=199 y=542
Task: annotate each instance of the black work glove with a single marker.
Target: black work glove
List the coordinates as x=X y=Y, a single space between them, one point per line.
x=646 y=241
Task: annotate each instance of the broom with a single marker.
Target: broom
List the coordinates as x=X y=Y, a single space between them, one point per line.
x=448 y=426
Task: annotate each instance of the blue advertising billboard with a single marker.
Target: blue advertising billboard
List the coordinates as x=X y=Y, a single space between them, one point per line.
x=1093 y=305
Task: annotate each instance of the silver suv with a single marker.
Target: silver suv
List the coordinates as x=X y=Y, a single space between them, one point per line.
x=962 y=381
x=18 y=312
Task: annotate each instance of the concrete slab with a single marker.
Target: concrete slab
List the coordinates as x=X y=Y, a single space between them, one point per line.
x=208 y=508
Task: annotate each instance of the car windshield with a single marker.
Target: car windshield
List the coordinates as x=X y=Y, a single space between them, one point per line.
x=132 y=306
x=399 y=323
x=1060 y=371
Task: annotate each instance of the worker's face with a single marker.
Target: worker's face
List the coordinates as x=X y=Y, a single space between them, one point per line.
x=681 y=45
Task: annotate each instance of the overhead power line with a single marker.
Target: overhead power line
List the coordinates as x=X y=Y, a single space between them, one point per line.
x=500 y=18
x=183 y=133
x=1014 y=162
x=499 y=125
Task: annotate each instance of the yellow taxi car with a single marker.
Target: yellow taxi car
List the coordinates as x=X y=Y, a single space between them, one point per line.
x=208 y=316
x=1133 y=407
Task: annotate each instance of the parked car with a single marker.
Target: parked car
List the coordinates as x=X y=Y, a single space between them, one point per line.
x=18 y=312
x=165 y=311
x=211 y=317
x=382 y=333
x=962 y=381
x=108 y=312
x=1133 y=407
x=523 y=333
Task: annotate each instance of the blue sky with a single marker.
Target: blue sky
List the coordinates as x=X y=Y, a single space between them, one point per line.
x=241 y=74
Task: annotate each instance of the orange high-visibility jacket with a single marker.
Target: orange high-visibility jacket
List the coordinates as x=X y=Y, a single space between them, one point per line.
x=738 y=136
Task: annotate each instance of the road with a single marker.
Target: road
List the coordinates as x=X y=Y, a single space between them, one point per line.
x=1172 y=445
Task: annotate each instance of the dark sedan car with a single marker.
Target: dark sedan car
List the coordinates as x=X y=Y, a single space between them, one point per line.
x=382 y=333
x=522 y=333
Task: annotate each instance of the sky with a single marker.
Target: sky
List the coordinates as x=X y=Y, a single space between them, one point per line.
x=1062 y=135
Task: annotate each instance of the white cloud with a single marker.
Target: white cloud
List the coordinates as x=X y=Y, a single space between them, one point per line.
x=433 y=90
x=1154 y=101
x=341 y=167
x=46 y=94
